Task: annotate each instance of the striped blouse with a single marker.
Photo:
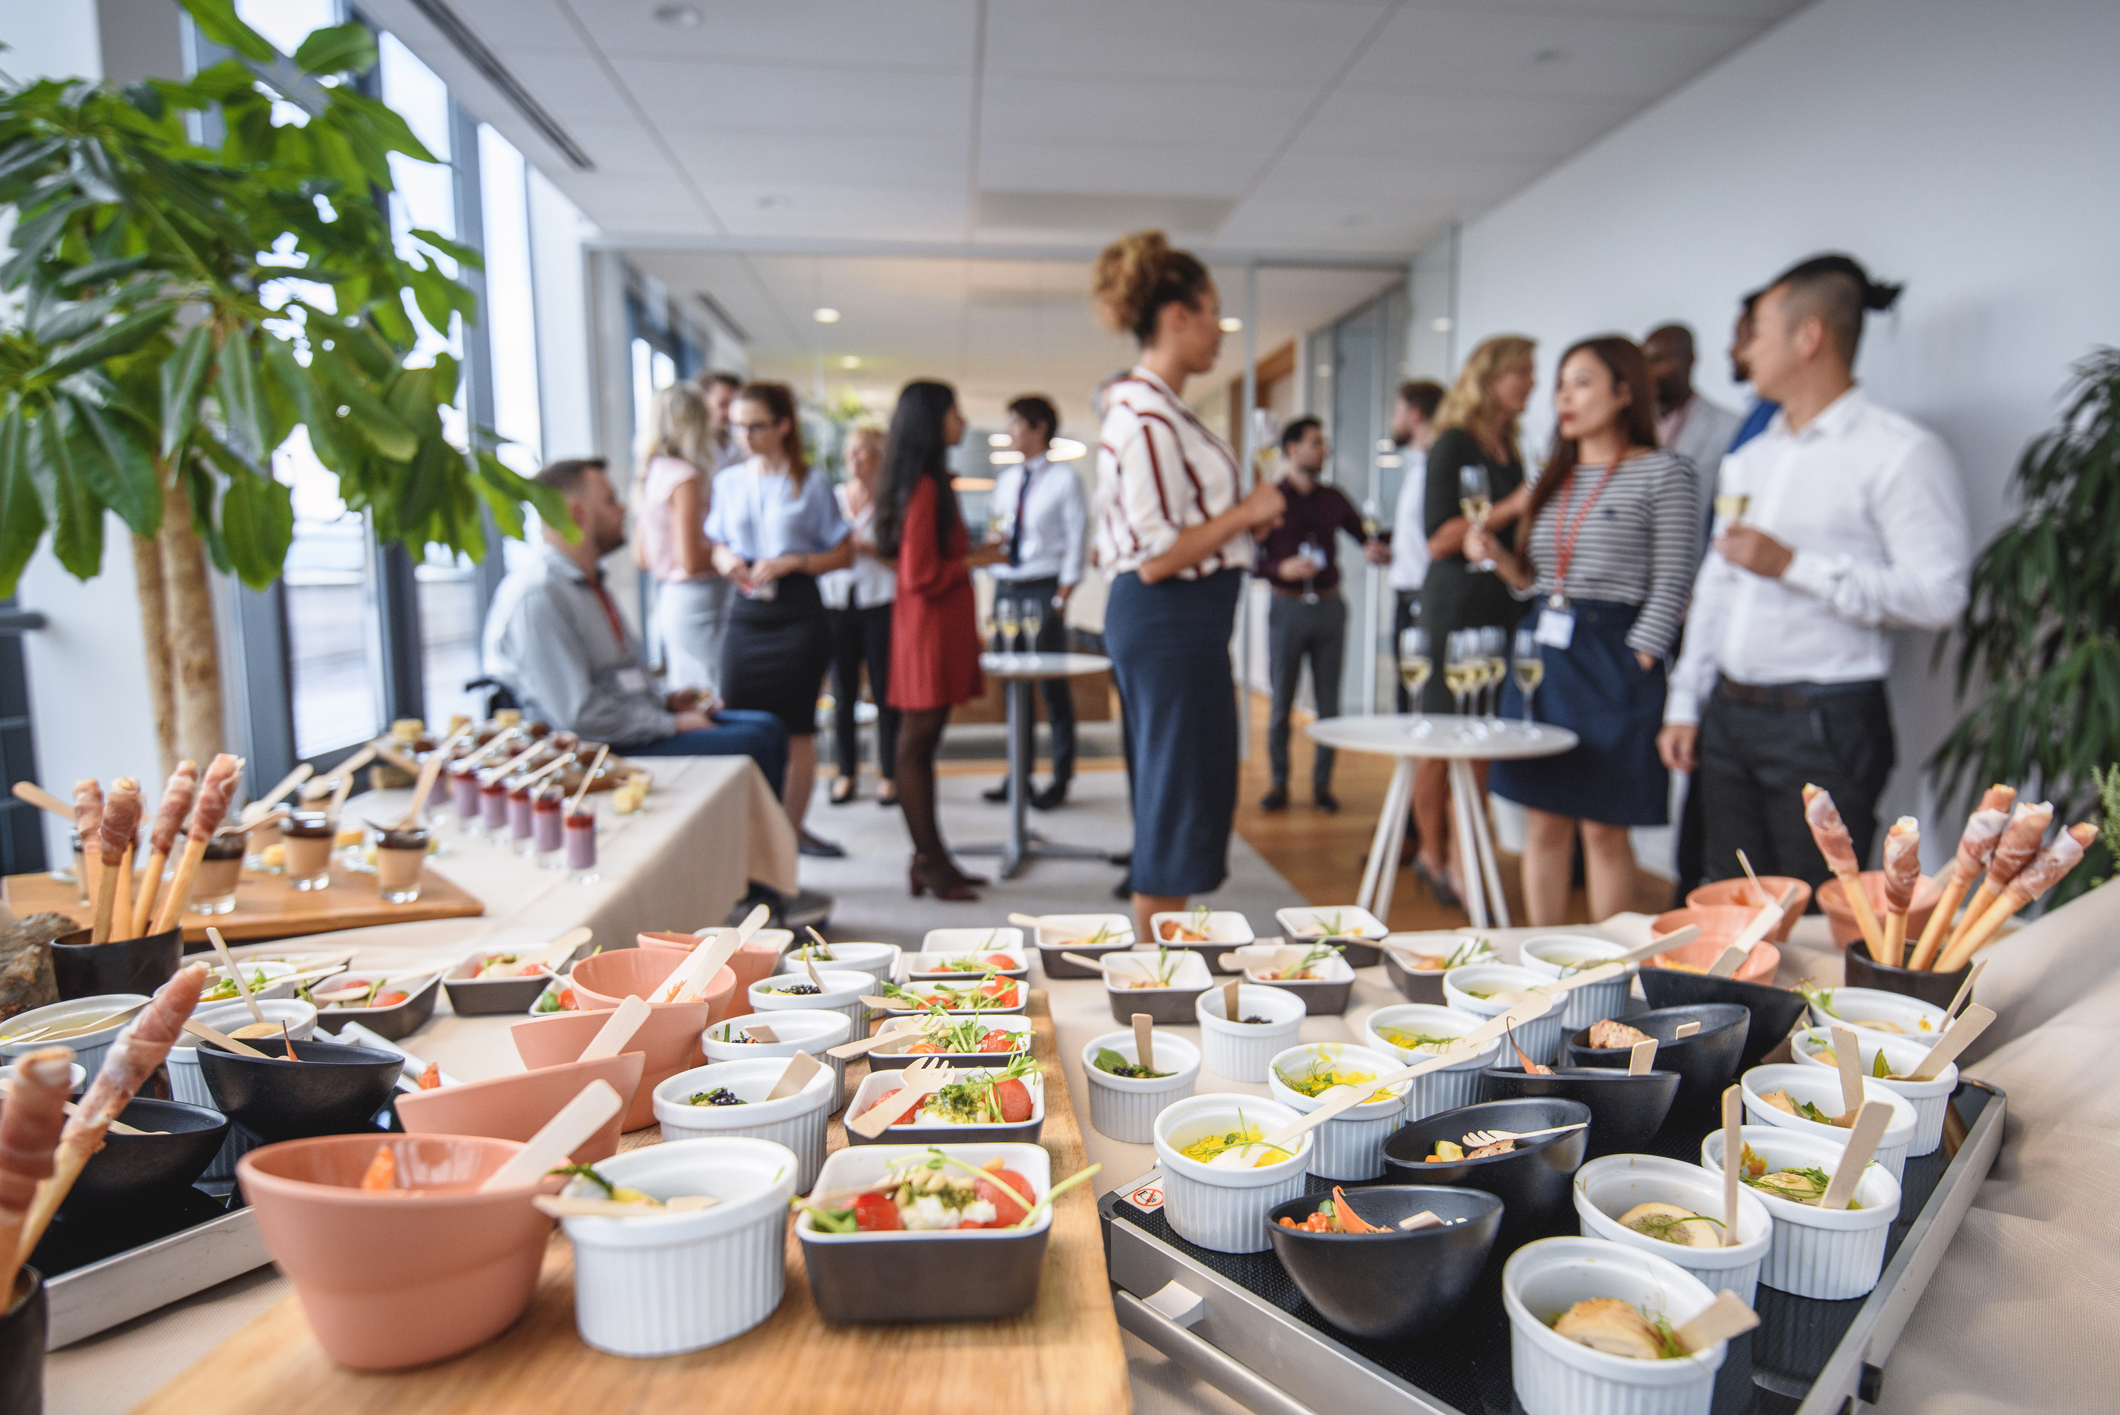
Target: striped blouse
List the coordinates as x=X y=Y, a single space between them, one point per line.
x=1639 y=543
x=1160 y=472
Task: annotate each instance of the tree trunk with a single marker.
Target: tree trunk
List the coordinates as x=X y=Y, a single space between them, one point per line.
x=194 y=653
x=154 y=634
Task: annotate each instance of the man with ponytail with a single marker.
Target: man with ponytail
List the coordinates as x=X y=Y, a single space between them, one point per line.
x=1854 y=525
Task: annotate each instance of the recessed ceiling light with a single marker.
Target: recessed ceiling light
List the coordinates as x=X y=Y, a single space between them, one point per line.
x=825 y=314
x=1324 y=370
x=682 y=16
x=1440 y=324
x=1004 y=459
x=1231 y=324
x=1385 y=444
x=850 y=361
x=972 y=483
x=999 y=439
x=1391 y=459
x=1064 y=449
x=1549 y=56
x=773 y=201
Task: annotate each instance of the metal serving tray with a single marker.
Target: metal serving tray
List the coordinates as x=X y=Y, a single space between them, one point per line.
x=1239 y=1323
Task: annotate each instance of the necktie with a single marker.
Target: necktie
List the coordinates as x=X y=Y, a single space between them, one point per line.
x=1015 y=534
x=618 y=627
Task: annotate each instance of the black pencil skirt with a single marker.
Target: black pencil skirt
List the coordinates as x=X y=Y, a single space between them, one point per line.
x=775 y=652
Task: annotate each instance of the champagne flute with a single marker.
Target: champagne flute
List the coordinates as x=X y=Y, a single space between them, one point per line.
x=1457 y=673
x=1530 y=672
x=1415 y=668
x=987 y=628
x=1032 y=617
x=1494 y=643
x=1476 y=500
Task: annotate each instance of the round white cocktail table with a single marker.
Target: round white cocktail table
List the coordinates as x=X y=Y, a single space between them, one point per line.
x=1019 y=671
x=1461 y=741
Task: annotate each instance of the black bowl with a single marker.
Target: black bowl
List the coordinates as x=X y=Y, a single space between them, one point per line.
x=1936 y=989
x=330 y=1090
x=22 y=1329
x=1390 y=1286
x=392 y=1024
x=1532 y=1181
x=1625 y=1111
x=1774 y=1010
x=131 y=1166
x=1707 y=1060
x=1414 y=986
x=139 y=965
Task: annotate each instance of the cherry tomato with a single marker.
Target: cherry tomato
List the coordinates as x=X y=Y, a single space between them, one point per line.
x=922 y=1047
x=1014 y=1099
x=1008 y=1207
x=998 y=1040
x=875 y=1213
x=390 y=999
x=1001 y=990
x=999 y=960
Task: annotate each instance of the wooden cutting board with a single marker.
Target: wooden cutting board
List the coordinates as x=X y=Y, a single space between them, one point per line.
x=1063 y=1357
x=266 y=907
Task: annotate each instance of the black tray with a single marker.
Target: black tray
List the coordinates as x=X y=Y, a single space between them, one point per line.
x=1801 y=1358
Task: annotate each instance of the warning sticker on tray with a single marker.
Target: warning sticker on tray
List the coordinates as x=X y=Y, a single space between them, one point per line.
x=1149 y=1197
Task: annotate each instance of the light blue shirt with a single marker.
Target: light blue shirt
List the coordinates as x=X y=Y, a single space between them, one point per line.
x=758 y=513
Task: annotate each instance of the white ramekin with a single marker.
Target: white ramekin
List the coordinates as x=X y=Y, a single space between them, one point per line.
x=843 y=990
x=1352 y=1145
x=795 y=1121
x=667 y=1283
x=1931 y=1099
x=1822 y=1089
x=90 y=1047
x=1584 y=1005
x=813 y=1030
x=1443 y=1089
x=1540 y=1037
x=1125 y=1108
x=1225 y=1209
x=1833 y=1255
x=1917 y=1021
x=878 y=960
x=1606 y=1188
x=1244 y=1051
x=1556 y=1376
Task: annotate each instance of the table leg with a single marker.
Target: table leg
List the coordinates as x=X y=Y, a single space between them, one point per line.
x=1490 y=862
x=1377 y=865
x=1019 y=774
x=1388 y=876
x=1464 y=798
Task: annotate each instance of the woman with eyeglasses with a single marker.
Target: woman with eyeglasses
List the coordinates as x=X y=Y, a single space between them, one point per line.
x=775 y=527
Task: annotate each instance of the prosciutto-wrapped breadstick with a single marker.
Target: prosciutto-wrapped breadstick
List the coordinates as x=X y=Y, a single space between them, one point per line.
x=1902 y=872
x=132 y=1058
x=1975 y=848
x=1834 y=842
x=2019 y=843
x=121 y=822
x=215 y=792
x=2035 y=879
x=183 y=784
x=88 y=824
x=29 y=1132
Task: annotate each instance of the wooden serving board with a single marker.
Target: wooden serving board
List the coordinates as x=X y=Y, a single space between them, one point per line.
x=267 y=908
x=1063 y=1357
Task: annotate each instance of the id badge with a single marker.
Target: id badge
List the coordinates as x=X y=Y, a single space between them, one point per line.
x=1556 y=628
x=632 y=680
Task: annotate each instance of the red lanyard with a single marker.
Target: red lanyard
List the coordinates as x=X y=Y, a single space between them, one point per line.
x=618 y=628
x=1564 y=537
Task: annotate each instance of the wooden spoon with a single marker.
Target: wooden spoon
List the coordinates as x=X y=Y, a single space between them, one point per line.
x=1725 y=1317
x=1965 y=990
x=560 y=1136
x=1847 y=1055
x=1144 y=1042
x=1733 y=1111
x=1641 y=1057
x=1862 y=1147
x=226 y=1042
x=795 y=1075
x=257 y=1013
x=618 y=1029
x=1962 y=1034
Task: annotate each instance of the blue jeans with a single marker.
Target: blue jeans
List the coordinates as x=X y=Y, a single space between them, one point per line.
x=737 y=732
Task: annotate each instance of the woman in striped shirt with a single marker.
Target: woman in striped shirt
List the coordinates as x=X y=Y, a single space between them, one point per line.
x=1613 y=545
x=1174 y=530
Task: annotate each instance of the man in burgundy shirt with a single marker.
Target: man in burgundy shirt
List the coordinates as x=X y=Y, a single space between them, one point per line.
x=1307 y=618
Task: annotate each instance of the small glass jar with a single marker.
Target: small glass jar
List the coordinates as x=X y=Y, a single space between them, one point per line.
x=548 y=809
x=262 y=837
x=493 y=808
x=309 y=838
x=399 y=857
x=79 y=878
x=581 y=845
x=521 y=837
x=213 y=888
x=463 y=791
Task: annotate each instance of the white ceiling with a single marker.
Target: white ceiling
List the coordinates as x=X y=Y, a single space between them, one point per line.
x=1295 y=127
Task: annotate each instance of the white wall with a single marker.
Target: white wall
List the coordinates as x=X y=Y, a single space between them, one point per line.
x=1962 y=147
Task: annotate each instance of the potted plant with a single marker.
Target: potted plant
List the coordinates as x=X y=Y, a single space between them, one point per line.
x=2038 y=646
x=181 y=311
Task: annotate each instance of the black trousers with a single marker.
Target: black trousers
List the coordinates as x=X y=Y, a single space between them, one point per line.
x=862 y=634
x=1755 y=760
x=1296 y=631
x=1405 y=614
x=1058 y=692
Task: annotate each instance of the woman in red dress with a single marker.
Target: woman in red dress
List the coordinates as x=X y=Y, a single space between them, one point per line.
x=934 y=641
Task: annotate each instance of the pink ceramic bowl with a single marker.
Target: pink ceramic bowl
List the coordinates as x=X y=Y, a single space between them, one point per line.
x=401 y=1277
x=516 y=1107
x=669 y=1041
x=1833 y=903
x=609 y=978
x=1700 y=955
x=1740 y=892
x=752 y=963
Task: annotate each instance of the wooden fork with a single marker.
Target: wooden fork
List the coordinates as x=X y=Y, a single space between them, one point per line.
x=1479 y=1138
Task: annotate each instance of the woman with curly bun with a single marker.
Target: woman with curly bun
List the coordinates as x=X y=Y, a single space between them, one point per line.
x=1174 y=529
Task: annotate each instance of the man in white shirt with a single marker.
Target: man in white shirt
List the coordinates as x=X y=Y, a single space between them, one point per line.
x=1855 y=525
x=1687 y=423
x=1406 y=552
x=1045 y=526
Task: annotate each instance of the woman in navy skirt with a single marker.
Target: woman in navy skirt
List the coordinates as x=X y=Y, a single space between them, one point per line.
x=1174 y=530
x=1613 y=546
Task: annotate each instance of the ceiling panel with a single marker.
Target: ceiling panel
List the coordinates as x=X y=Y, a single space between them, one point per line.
x=1509 y=51
x=686 y=96
x=885 y=213
x=1400 y=124
x=1043 y=109
x=1116 y=167
x=1264 y=41
x=774 y=160
x=915 y=33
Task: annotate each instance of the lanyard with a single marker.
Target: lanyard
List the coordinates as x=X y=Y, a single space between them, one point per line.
x=1564 y=536
x=618 y=628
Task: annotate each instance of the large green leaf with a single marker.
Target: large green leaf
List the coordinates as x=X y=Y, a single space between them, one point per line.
x=218 y=20
x=299 y=389
x=366 y=414
x=21 y=513
x=257 y=522
x=183 y=376
x=77 y=517
x=118 y=469
x=236 y=389
x=347 y=48
x=121 y=337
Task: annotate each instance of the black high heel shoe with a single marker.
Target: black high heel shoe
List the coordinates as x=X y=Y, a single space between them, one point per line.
x=939 y=878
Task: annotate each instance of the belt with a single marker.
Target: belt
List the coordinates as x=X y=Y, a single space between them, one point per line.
x=1324 y=593
x=1794 y=697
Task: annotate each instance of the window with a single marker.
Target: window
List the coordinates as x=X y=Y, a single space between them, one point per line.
x=334 y=657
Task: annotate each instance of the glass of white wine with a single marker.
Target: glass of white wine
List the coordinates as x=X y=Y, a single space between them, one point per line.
x=1461 y=672
x=1033 y=617
x=1005 y=615
x=1476 y=500
x=1415 y=669
x=1494 y=643
x=1530 y=672
x=1731 y=507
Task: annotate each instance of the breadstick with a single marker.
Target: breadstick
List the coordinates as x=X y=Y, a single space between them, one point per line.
x=132 y=1058
x=183 y=784
x=2034 y=880
x=1902 y=872
x=121 y=819
x=122 y=899
x=88 y=824
x=1834 y=842
x=29 y=1132
x=1975 y=848
x=2019 y=843
x=215 y=792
